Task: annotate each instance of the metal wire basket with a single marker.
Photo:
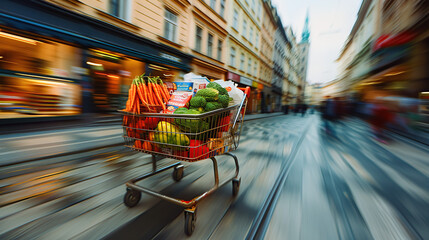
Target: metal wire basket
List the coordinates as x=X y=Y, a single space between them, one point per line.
x=183 y=136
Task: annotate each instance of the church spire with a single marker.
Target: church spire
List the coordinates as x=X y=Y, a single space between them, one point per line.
x=305 y=32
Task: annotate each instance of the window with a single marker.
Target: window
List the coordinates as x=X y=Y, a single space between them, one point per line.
x=210 y=45
x=242 y=62
x=198 y=38
x=235 y=19
x=249 y=66
x=245 y=28
x=219 y=50
x=257 y=40
x=251 y=35
x=213 y=4
x=120 y=9
x=222 y=7
x=232 y=60
x=255 y=69
x=170 y=27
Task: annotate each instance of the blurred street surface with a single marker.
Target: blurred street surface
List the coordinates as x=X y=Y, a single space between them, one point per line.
x=346 y=186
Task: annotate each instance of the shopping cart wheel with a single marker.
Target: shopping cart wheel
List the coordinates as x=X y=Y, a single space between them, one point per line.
x=235 y=186
x=190 y=219
x=131 y=198
x=178 y=173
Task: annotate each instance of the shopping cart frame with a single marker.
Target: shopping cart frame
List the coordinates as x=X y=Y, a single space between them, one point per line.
x=133 y=194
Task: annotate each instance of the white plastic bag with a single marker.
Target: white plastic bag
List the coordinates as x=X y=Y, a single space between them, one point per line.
x=233 y=91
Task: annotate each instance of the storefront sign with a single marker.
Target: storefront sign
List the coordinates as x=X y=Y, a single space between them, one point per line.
x=260 y=86
x=79 y=70
x=255 y=84
x=246 y=81
x=125 y=73
x=232 y=76
x=169 y=57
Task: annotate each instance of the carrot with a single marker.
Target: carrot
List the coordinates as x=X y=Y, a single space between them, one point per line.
x=145 y=93
x=150 y=93
x=155 y=94
x=161 y=90
x=165 y=90
x=138 y=108
x=127 y=105
x=139 y=92
x=158 y=96
x=131 y=96
x=143 y=85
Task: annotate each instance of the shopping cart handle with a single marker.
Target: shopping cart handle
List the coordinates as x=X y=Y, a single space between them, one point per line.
x=246 y=91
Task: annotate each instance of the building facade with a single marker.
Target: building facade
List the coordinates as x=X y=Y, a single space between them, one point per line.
x=386 y=51
x=72 y=58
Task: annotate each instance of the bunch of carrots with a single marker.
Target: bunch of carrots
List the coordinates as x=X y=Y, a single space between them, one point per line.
x=152 y=92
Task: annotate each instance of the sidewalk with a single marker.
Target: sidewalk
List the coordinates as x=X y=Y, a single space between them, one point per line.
x=28 y=146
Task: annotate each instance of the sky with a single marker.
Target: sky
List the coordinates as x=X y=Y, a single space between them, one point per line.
x=330 y=23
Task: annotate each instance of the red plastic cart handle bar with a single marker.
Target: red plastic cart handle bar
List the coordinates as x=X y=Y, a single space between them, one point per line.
x=246 y=91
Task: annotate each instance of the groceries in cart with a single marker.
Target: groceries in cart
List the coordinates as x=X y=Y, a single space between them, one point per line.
x=197 y=120
x=187 y=123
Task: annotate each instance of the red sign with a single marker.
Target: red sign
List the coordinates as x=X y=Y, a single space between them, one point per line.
x=232 y=76
x=393 y=40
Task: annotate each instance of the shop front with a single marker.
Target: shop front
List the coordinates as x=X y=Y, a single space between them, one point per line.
x=38 y=77
x=276 y=104
x=254 y=100
x=209 y=70
x=72 y=73
x=398 y=70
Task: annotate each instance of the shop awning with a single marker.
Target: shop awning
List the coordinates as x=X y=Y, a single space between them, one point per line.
x=393 y=40
x=49 y=20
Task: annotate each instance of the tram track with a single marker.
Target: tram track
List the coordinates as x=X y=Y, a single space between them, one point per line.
x=261 y=222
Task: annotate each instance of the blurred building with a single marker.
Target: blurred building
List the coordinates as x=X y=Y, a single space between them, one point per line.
x=244 y=28
x=386 y=53
x=266 y=50
x=315 y=94
x=208 y=36
x=354 y=62
x=274 y=100
x=292 y=56
x=64 y=59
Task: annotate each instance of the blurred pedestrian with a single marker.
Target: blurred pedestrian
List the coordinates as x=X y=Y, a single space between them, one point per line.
x=328 y=109
x=303 y=109
x=381 y=116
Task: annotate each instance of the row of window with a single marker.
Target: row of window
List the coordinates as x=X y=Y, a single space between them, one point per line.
x=232 y=62
x=235 y=21
x=221 y=6
x=198 y=44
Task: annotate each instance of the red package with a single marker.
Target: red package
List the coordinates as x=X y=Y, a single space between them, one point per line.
x=197 y=150
x=178 y=100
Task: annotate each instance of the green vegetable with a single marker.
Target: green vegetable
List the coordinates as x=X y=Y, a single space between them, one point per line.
x=210 y=94
x=181 y=110
x=210 y=106
x=190 y=125
x=217 y=86
x=199 y=109
x=197 y=102
x=224 y=100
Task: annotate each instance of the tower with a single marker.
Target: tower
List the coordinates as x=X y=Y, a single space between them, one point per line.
x=305 y=35
x=304 y=47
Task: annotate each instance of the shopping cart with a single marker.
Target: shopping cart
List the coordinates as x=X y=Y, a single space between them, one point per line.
x=184 y=137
